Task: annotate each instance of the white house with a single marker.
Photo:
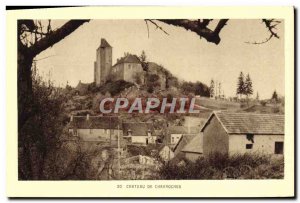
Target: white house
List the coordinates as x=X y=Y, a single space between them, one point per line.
x=239 y=133
x=139 y=132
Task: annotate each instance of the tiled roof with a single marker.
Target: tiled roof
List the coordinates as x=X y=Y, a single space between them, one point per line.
x=138 y=128
x=194 y=146
x=128 y=59
x=243 y=123
x=95 y=122
x=186 y=138
x=104 y=43
x=183 y=130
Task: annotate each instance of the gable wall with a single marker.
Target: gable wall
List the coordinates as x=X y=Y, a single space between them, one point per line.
x=215 y=138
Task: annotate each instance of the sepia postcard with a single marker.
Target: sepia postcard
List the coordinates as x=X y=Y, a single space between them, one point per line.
x=150 y=102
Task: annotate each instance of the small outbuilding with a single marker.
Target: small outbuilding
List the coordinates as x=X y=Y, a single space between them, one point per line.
x=239 y=133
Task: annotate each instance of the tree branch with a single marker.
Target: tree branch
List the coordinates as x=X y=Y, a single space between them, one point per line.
x=200 y=28
x=157 y=26
x=271 y=26
x=55 y=36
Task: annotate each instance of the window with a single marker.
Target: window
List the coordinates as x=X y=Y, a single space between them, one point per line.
x=129 y=132
x=91 y=131
x=278 y=147
x=249 y=146
x=172 y=140
x=250 y=137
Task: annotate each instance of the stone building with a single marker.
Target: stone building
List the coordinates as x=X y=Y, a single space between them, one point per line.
x=128 y=68
x=239 y=133
x=103 y=63
x=139 y=132
x=96 y=128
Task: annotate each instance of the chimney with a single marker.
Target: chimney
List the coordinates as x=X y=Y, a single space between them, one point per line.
x=87 y=117
x=71 y=119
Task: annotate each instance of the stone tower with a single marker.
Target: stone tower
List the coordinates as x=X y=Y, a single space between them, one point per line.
x=103 y=63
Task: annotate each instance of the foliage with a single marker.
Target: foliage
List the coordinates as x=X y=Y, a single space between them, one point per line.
x=263 y=103
x=212 y=88
x=241 y=84
x=152 y=81
x=42 y=129
x=248 y=90
x=111 y=87
x=197 y=88
x=275 y=96
x=244 y=85
x=220 y=166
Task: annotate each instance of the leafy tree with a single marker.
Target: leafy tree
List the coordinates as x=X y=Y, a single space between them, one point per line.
x=241 y=84
x=152 y=82
x=248 y=90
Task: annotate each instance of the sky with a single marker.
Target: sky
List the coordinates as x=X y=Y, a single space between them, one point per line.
x=181 y=52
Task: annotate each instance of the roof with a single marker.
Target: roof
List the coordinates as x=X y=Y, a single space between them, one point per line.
x=247 y=123
x=128 y=59
x=194 y=146
x=138 y=128
x=104 y=43
x=183 y=130
x=82 y=86
x=186 y=138
x=95 y=122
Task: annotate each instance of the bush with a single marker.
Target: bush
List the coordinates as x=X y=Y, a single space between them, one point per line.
x=219 y=166
x=263 y=103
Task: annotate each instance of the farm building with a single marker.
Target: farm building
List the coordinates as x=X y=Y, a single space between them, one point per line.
x=194 y=149
x=239 y=133
x=139 y=132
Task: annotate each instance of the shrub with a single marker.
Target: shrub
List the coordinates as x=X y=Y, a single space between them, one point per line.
x=220 y=166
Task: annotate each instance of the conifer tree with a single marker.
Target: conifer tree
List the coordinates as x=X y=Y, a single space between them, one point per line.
x=248 y=90
x=240 y=84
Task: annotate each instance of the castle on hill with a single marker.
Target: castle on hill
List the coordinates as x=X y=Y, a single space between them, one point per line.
x=128 y=68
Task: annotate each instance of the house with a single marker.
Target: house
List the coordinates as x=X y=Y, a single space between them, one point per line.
x=239 y=133
x=128 y=68
x=194 y=149
x=95 y=128
x=175 y=133
x=139 y=132
x=81 y=88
